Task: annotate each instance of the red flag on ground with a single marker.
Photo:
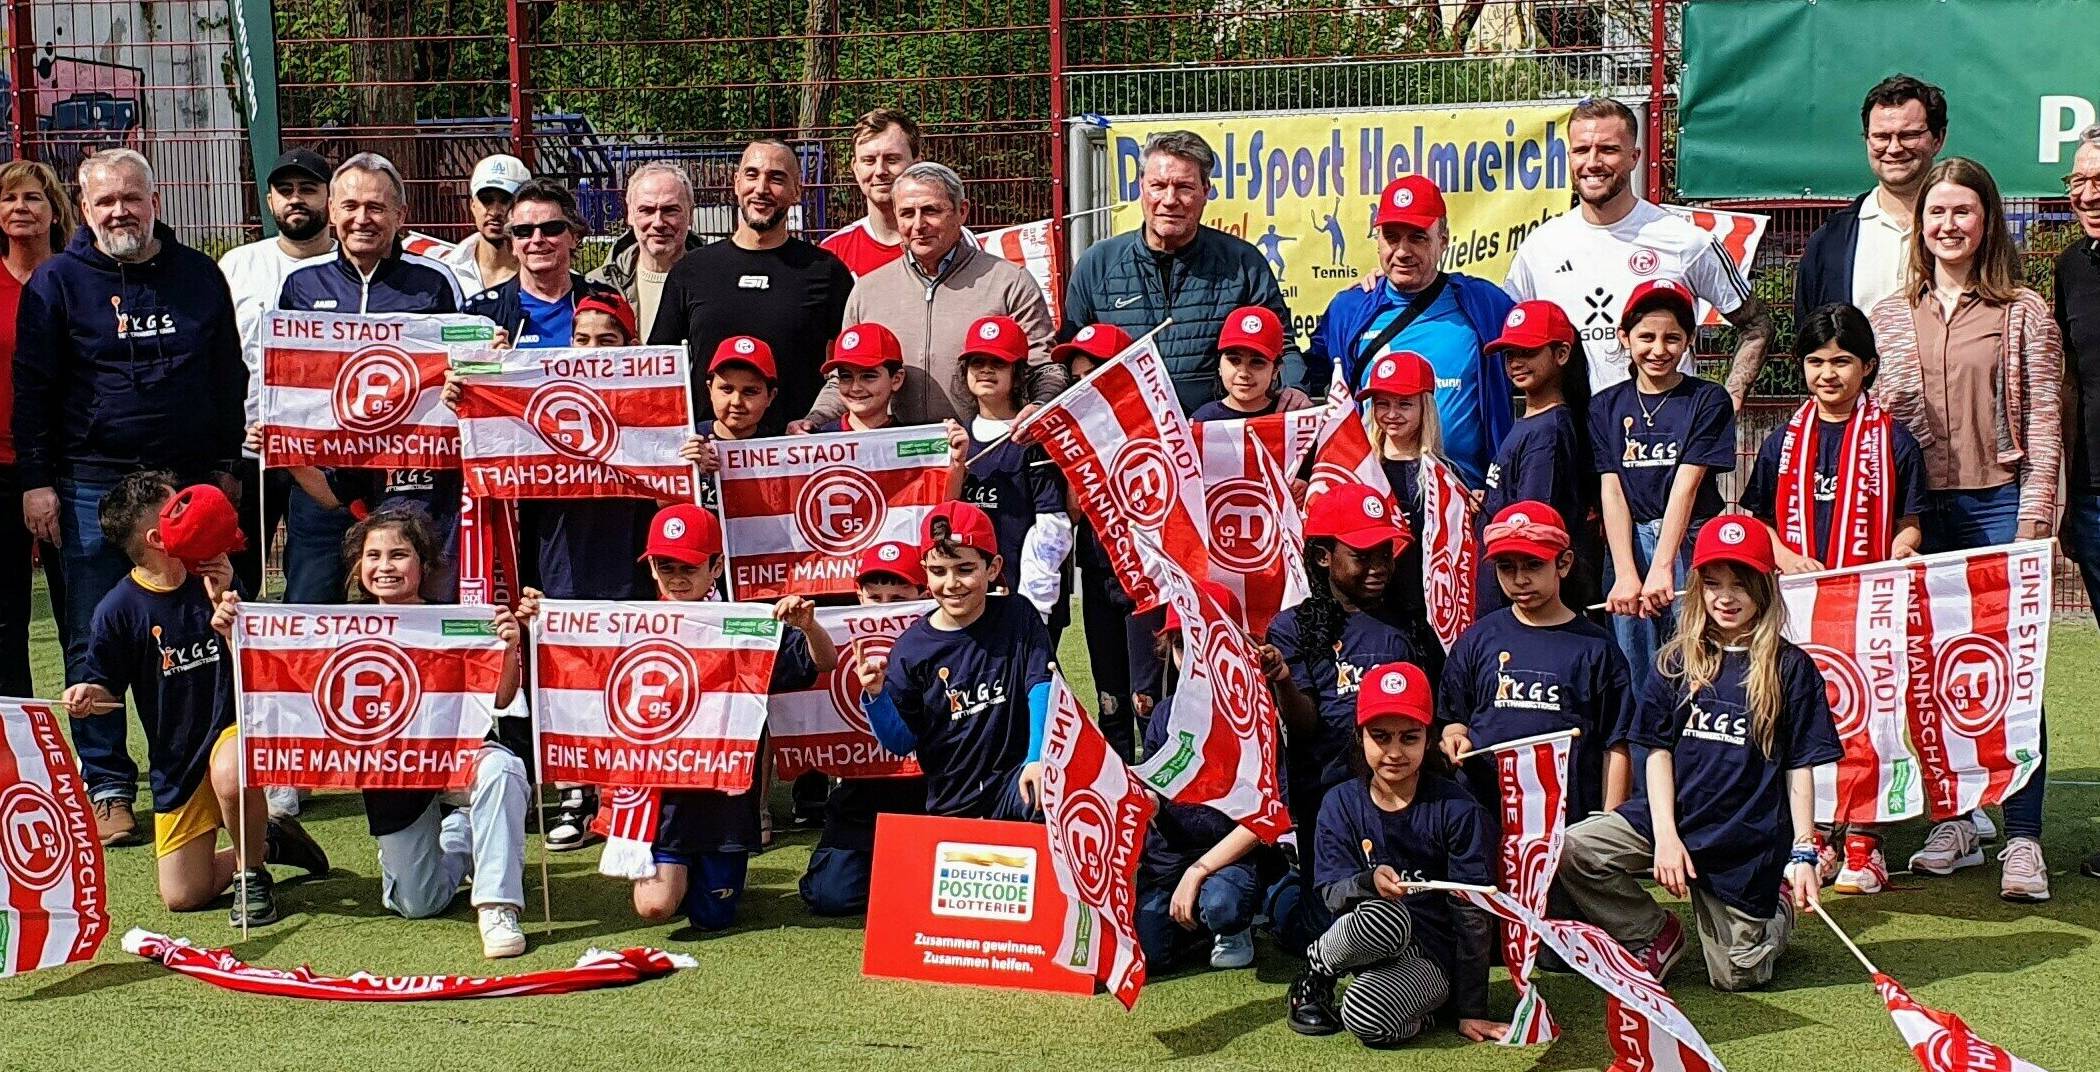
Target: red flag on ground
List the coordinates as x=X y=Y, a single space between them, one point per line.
x=1132 y=463
x=798 y=510
x=595 y=970
x=1978 y=649
x=1533 y=776
x=364 y=697
x=823 y=728
x=1257 y=535
x=1853 y=625
x=1097 y=812
x=53 y=886
x=357 y=391
x=576 y=424
x=670 y=695
x=1940 y=1040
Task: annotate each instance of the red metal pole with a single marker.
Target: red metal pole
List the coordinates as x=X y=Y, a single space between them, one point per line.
x=1058 y=253
x=21 y=70
x=1658 y=56
x=520 y=103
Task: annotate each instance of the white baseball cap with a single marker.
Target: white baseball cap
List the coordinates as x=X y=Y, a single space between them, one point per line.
x=502 y=172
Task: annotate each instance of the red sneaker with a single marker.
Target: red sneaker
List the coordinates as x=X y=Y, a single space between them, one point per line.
x=1665 y=950
x=1865 y=871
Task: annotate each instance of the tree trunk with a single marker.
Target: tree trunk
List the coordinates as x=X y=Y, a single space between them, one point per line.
x=820 y=61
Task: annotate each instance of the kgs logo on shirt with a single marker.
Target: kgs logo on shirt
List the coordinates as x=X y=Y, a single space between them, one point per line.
x=1641 y=453
x=141 y=325
x=985 y=495
x=1493 y=480
x=1526 y=690
x=969 y=703
x=1826 y=487
x=1348 y=677
x=1724 y=722
x=187 y=657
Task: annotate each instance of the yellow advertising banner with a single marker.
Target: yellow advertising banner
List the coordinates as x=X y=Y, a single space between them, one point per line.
x=1301 y=187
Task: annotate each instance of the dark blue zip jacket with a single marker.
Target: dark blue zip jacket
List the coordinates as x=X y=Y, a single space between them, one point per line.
x=402 y=283
x=500 y=303
x=119 y=366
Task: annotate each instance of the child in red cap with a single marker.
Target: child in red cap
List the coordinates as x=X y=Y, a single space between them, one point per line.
x=742 y=383
x=1546 y=456
x=1250 y=359
x=1734 y=718
x=1014 y=484
x=1408 y=437
x=1414 y=952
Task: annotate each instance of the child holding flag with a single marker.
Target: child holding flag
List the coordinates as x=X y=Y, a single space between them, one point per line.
x=742 y=383
x=1401 y=822
x=1250 y=346
x=1537 y=667
x=1734 y=719
x=1659 y=438
x=867 y=367
x=1014 y=484
x=1408 y=440
x=1843 y=485
x=1546 y=457
x=151 y=637
x=967 y=687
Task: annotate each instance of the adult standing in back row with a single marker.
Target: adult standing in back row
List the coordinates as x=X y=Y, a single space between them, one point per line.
x=761 y=283
x=1174 y=266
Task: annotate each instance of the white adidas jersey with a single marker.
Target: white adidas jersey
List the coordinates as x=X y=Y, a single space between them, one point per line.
x=1588 y=271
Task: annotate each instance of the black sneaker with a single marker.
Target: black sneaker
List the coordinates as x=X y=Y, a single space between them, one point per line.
x=2091 y=867
x=810 y=792
x=289 y=844
x=253 y=889
x=1311 y=1004
x=570 y=828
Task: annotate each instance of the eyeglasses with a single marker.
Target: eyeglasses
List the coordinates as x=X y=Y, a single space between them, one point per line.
x=2076 y=183
x=550 y=228
x=1909 y=138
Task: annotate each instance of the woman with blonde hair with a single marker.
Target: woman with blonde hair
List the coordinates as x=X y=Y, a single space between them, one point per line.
x=1972 y=364
x=36 y=219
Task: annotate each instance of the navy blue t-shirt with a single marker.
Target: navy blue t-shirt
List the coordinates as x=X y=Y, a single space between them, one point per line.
x=1443 y=836
x=963 y=693
x=702 y=820
x=1906 y=480
x=1013 y=490
x=1506 y=680
x=1220 y=410
x=1330 y=676
x=1540 y=460
x=1732 y=812
x=160 y=647
x=1642 y=439
x=1180 y=833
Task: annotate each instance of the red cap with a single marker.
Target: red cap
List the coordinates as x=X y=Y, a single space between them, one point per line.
x=1355 y=514
x=894 y=559
x=1218 y=594
x=996 y=336
x=613 y=305
x=1529 y=528
x=1102 y=342
x=1395 y=689
x=1402 y=374
x=1735 y=538
x=1412 y=200
x=962 y=522
x=1663 y=293
x=1252 y=327
x=199 y=524
x=683 y=532
x=1531 y=325
x=746 y=350
x=864 y=346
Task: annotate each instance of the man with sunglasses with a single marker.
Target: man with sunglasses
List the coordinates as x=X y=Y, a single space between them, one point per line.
x=486 y=258
x=1862 y=252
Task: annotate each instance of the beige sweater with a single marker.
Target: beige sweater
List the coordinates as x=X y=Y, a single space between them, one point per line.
x=930 y=322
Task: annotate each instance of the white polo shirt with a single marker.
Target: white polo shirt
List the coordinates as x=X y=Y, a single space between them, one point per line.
x=1881 y=259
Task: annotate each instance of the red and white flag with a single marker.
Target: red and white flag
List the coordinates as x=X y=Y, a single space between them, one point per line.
x=1257 y=536
x=1098 y=813
x=364 y=697
x=1027 y=245
x=1132 y=462
x=1342 y=451
x=1449 y=555
x=1736 y=233
x=798 y=510
x=342 y=389
x=488 y=551
x=668 y=695
x=1978 y=649
x=1533 y=776
x=1853 y=626
x=596 y=969
x=1221 y=732
x=822 y=728
x=1940 y=1040
x=1649 y=1033
x=53 y=886
x=576 y=424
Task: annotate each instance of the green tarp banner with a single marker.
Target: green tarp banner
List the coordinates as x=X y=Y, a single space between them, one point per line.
x=255 y=55
x=1772 y=88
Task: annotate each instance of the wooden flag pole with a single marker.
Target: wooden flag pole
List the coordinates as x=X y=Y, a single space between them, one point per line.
x=1847 y=939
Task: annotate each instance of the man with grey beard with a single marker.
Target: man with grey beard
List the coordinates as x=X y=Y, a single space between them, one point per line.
x=126 y=358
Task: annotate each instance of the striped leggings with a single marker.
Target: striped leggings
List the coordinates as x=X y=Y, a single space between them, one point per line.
x=1396 y=988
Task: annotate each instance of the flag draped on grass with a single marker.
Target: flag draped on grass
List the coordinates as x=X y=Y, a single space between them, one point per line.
x=823 y=728
x=365 y=697
x=595 y=970
x=1257 y=536
x=53 y=886
x=1533 y=776
x=342 y=389
x=1097 y=812
x=1941 y=1041
x=576 y=424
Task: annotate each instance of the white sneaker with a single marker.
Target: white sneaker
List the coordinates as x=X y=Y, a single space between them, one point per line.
x=1986 y=830
x=1232 y=950
x=1951 y=846
x=500 y=934
x=283 y=802
x=2026 y=874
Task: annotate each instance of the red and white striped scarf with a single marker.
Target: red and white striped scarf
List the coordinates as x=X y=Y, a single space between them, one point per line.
x=630 y=815
x=1448 y=550
x=1861 y=515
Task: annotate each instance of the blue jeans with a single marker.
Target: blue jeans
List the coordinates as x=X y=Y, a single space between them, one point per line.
x=93 y=566
x=313 y=550
x=1297 y=913
x=1641 y=638
x=1959 y=521
x=2081 y=540
x=1224 y=905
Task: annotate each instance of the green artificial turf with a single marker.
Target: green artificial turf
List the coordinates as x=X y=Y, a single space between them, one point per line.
x=784 y=990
